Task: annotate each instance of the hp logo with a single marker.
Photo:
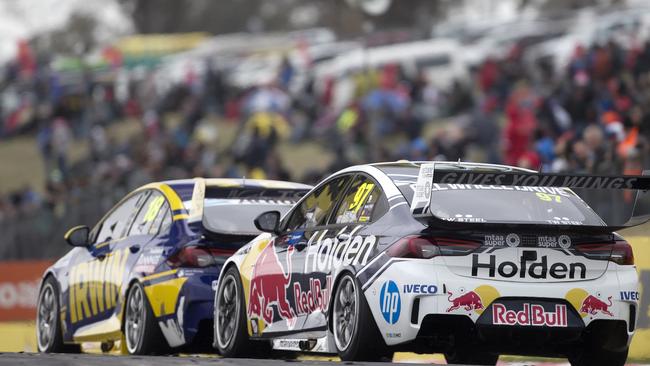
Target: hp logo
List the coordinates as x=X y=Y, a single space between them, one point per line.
x=390 y=302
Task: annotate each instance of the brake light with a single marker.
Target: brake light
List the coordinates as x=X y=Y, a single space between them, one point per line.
x=193 y=256
x=425 y=247
x=619 y=252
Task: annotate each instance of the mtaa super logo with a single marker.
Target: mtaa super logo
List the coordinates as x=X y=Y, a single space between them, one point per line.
x=390 y=302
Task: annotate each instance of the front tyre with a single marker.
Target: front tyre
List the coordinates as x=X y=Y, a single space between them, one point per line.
x=143 y=336
x=355 y=333
x=48 y=323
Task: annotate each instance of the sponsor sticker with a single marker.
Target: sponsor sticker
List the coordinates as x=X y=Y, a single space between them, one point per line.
x=531 y=315
x=420 y=289
x=589 y=304
x=390 y=302
x=325 y=253
x=512 y=240
x=630 y=295
x=527 y=267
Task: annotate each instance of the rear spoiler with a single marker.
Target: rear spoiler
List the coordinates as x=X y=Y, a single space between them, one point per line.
x=198 y=212
x=429 y=175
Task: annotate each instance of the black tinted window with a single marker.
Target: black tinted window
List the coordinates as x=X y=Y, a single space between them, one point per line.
x=316 y=207
x=145 y=222
x=116 y=224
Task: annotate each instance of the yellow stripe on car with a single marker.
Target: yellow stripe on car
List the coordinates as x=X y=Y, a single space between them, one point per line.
x=158 y=275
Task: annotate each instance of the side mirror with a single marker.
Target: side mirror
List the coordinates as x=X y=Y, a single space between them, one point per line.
x=268 y=222
x=78 y=236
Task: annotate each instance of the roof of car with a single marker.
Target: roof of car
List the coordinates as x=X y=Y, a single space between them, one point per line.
x=452 y=165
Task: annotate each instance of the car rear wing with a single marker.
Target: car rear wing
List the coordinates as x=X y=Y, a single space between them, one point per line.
x=429 y=175
x=232 y=216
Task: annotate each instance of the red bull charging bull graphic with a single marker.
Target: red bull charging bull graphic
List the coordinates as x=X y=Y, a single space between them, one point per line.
x=468 y=301
x=590 y=305
x=269 y=285
x=473 y=302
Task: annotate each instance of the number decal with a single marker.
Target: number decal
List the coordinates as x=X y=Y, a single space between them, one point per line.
x=360 y=197
x=546 y=197
x=153 y=208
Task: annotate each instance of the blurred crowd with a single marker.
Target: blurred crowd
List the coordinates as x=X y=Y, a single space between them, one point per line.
x=589 y=117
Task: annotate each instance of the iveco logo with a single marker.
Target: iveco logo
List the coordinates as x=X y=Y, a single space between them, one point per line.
x=528 y=267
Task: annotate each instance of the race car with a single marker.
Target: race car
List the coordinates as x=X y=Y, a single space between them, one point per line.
x=469 y=260
x=144 y=273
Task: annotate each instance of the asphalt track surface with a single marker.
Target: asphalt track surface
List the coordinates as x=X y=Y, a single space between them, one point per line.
x=31 y=359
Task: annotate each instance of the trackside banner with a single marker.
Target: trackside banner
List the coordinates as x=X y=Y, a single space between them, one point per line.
x=19 y=284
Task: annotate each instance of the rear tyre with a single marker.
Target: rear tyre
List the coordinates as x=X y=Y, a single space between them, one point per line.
x=230 y=328
x=355 y=333
x=49 y=335
x=596 y=356
x=471 y=357
x=143 y=336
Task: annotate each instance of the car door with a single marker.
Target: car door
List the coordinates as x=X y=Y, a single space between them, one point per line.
x=342 y=241
x=301 y=229
x=96 y=276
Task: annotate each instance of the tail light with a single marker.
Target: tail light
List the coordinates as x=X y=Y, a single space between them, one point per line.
x=620 y=252
x=193 y=256
x=426 y=247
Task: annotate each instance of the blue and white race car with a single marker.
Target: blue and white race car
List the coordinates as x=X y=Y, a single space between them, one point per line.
x=144 y=273
x=469 y=260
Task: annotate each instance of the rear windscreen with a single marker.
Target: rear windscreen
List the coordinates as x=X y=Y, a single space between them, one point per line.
x=497 y=204
x=510 y=204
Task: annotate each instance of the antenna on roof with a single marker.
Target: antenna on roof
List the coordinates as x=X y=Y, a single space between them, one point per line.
x=458 y=160
x=243 y=183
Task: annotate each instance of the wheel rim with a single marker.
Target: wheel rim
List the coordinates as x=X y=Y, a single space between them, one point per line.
x=135 y=319
x=227 y=312
x=346 y=309
x=46 y=317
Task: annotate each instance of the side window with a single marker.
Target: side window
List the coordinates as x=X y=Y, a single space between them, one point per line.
x=145 y=221
x=163 y=221
x=117 y=223
x=359 y=202
x=314 y=210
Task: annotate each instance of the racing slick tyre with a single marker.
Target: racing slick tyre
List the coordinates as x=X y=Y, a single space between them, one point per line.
x=143 y=336
x=355 y=333
x=231 y=333
x=470 y=357
x=49 y=336
x=596 y=356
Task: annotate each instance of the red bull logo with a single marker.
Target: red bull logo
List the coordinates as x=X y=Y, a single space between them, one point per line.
x=469 y=301
x=268 y=287
x=589 y=305
x=530 y=315
x=592 y=305
x=474 y=301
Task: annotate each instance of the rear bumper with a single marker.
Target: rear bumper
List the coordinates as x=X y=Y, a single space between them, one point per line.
x=437 y=318
x=183 y=304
